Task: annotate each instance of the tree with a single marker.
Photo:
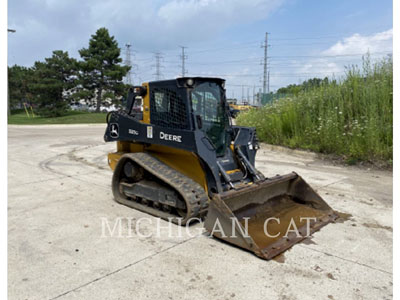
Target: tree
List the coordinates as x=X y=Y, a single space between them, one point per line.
x=52 y=80
x=295 y=89
x=100 y=71
x=19 y=81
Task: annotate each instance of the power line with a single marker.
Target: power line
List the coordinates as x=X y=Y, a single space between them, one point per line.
x=306 y=74
x=240 y=85
x=250 y=44
x=298 y=45
x=273 y=74
x=324 y=37
x=227 y=75
x=326 y=56
x=247 y=85
x=311 y=38
x=253 y=60
x=231 y=48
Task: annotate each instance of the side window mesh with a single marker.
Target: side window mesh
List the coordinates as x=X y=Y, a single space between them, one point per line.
x=167 y=109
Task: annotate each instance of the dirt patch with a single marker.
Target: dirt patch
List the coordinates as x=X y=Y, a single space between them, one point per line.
x=280 y=258
x=377 y=226
x=342 y=217
x=330 y=276
x=308 y=241
x=72 y=156
x=317 y=268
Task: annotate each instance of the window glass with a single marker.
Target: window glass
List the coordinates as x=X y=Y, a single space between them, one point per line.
x=206 y=103
x=161 y=102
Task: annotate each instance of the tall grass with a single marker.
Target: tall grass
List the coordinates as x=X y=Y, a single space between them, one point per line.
x=351 y=117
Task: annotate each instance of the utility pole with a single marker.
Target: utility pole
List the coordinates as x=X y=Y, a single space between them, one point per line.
x=242 y=93
x=268 y=83
x=183 y=57
x=128 y=63
x=158 y=56
x=254 y=94
x=265 y=46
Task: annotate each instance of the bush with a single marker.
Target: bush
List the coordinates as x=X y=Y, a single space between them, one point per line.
x=352 y=117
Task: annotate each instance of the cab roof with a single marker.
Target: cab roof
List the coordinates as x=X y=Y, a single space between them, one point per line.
x=179 y=80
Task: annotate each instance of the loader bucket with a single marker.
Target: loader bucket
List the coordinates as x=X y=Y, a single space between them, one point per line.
x=269 y=217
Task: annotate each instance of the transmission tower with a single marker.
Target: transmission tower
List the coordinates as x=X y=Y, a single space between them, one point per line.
x=128 y=77
x=183 y=57
x=254 y=93
x=265 y=46
x=158 y=57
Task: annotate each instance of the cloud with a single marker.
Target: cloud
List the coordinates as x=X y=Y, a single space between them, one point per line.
x=46 y=25
x=358 y=44
x=332 y=62
x=215 y=14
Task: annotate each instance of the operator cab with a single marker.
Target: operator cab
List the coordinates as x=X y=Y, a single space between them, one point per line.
x=192 y=104
x=187 y=103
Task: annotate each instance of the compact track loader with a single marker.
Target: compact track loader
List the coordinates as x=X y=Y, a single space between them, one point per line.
x=179 y=157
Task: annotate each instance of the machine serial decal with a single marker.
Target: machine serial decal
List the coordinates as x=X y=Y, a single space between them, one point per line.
x=149 y=132
x=133 y=131
x=170 y=137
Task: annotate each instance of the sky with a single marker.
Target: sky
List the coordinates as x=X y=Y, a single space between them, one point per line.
x=306 y=38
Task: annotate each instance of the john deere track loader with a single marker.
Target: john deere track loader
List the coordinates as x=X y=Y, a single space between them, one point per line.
x=179 y=157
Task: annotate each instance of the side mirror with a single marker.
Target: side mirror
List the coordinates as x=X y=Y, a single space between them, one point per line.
x=199 y=121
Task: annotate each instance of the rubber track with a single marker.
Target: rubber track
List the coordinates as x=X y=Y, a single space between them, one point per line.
x=193 y=193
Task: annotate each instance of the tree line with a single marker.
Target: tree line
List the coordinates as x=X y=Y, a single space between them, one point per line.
x=50 y=86
x=295 y=89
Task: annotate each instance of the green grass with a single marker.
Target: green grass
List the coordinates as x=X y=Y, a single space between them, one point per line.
x=72 y=117
x=351 y=117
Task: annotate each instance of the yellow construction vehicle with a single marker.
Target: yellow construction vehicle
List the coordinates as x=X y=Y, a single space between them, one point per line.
x=235 y=108
x=180 y=158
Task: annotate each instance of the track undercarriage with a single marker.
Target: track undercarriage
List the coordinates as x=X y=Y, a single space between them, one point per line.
x=143 y=182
